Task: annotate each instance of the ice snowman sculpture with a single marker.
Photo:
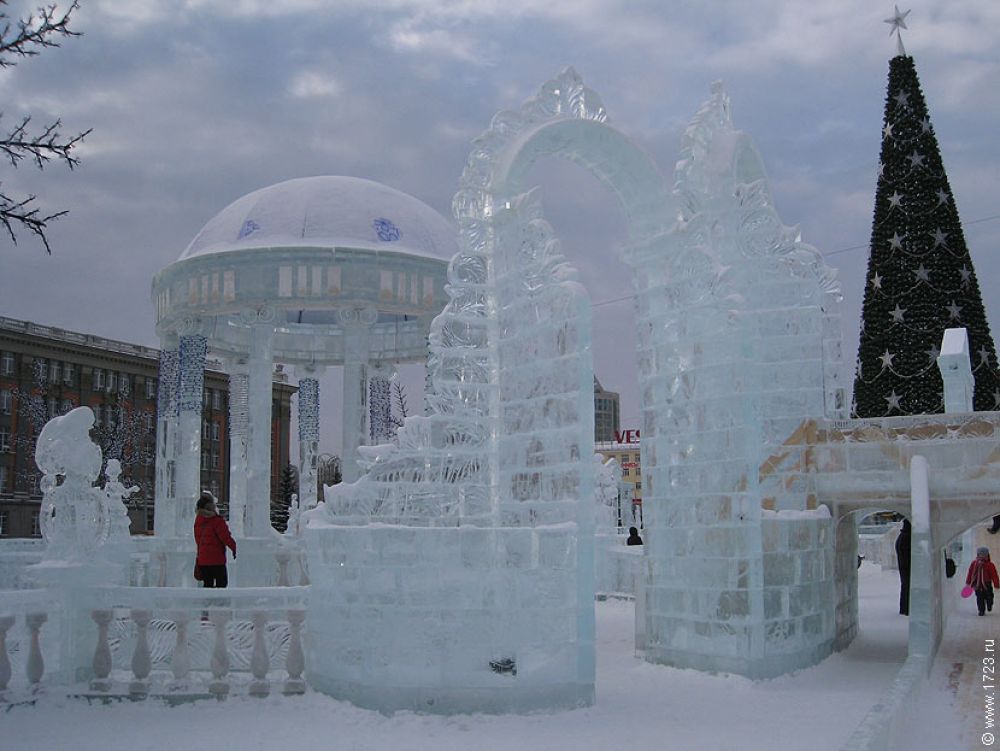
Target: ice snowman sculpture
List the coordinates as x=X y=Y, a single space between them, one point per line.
x=75 y=517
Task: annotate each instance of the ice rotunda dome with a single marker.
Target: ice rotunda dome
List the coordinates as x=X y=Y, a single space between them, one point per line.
x=327 y=211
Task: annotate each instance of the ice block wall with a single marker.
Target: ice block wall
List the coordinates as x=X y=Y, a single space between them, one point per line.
x=735 y=326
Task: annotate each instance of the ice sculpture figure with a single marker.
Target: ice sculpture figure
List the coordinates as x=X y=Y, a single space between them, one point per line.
x=75 y=517
x=479 y=596
x=117 y=496
x=738 y=346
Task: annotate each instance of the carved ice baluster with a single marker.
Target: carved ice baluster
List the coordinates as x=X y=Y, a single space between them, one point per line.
x=102 y=652
x=141 y=661
x=36 y=665
x=180 y=662
x=295 y=661
x=220 y=656
x=259 y=659
x=5 y=623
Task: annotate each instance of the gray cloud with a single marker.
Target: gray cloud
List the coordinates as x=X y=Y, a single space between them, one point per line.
x=195 y=103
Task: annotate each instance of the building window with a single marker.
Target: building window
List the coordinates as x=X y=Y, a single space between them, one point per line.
x=205 y=430
x=626 y=472
x=204 y=460
x=41 y=370
x=6 y=400
x=3 y=479
x=55 y=372
x=150 y=388
x=638 y=486
x=67 y=405
x=68 y=373
x=7 y=363
x=98 y=379
x=4 y=441
x=206 y=398
x=147 y=421
x=214 y=487
x=36 y=527
x=215 y=459
x=53 y=407
x=112 y=381
x=217 y=399
x=3 y=524
x=124 y=384
x=215 y=431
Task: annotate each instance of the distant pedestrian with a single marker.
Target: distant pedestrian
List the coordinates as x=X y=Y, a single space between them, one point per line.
x=995 y=527
x=982 y=577
x=633 y=537
x=211 y=535
x=903 y=564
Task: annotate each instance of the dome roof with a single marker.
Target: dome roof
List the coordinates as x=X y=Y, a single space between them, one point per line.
x=327 y=212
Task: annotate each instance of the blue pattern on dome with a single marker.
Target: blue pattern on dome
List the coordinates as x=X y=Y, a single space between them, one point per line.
x=386 y=230
x=248 y=228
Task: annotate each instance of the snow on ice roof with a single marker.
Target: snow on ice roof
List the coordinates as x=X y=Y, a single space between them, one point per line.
x=327 y=211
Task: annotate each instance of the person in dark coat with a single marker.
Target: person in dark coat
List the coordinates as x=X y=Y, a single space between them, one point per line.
x=982 y=577
x=211 y=535
x=633 y=537
x=903 y=563
x=995 y=527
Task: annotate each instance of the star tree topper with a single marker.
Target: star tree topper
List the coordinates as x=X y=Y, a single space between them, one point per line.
x=897 y=22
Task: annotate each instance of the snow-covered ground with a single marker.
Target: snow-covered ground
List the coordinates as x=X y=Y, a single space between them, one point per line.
x=638 y=706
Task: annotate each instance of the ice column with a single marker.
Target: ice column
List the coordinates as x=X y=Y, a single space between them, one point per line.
x=308 y=433
x=165 y=508
x=259 y=395
x=356 y=325
x=239 y=429
x=924 y=635
x=380 y=425
x=190 y=388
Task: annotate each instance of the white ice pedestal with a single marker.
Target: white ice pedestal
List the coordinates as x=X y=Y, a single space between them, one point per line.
x=450 y=620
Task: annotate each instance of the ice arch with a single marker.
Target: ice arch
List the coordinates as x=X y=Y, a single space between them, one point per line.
x=457 y=573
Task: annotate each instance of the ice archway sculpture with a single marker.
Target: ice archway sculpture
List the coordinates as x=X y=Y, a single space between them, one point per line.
x=457 y=573
x=479 y=597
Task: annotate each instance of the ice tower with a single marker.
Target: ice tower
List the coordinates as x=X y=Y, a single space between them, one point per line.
x=738 y=348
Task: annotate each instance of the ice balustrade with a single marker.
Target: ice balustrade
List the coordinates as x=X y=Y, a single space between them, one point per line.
x=169 y=642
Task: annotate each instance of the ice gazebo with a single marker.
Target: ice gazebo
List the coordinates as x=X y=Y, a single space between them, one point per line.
x=312 y=272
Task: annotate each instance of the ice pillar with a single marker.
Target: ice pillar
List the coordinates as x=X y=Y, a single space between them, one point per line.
x=165 y=506
x=190 y=389
x=923 y=636
x=239 y=426
x=356 y=325
x=308 y=435
x=257 y=518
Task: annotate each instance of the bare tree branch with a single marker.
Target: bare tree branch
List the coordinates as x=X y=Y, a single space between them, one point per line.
x=45 y=28
x=34 y=32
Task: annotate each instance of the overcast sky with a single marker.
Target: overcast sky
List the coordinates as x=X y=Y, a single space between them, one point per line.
x=194 y=103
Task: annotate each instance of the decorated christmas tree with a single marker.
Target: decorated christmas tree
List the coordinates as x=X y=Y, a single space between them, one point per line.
x=920 y=277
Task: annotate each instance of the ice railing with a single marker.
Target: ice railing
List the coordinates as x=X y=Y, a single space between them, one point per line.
x=167 y=642
x=911 y=428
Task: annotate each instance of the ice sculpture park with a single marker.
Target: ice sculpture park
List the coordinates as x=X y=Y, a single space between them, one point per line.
x=454 y=571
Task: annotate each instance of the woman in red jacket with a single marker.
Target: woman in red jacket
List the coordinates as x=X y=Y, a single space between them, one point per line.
x=982 y=577
x=211 y=534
